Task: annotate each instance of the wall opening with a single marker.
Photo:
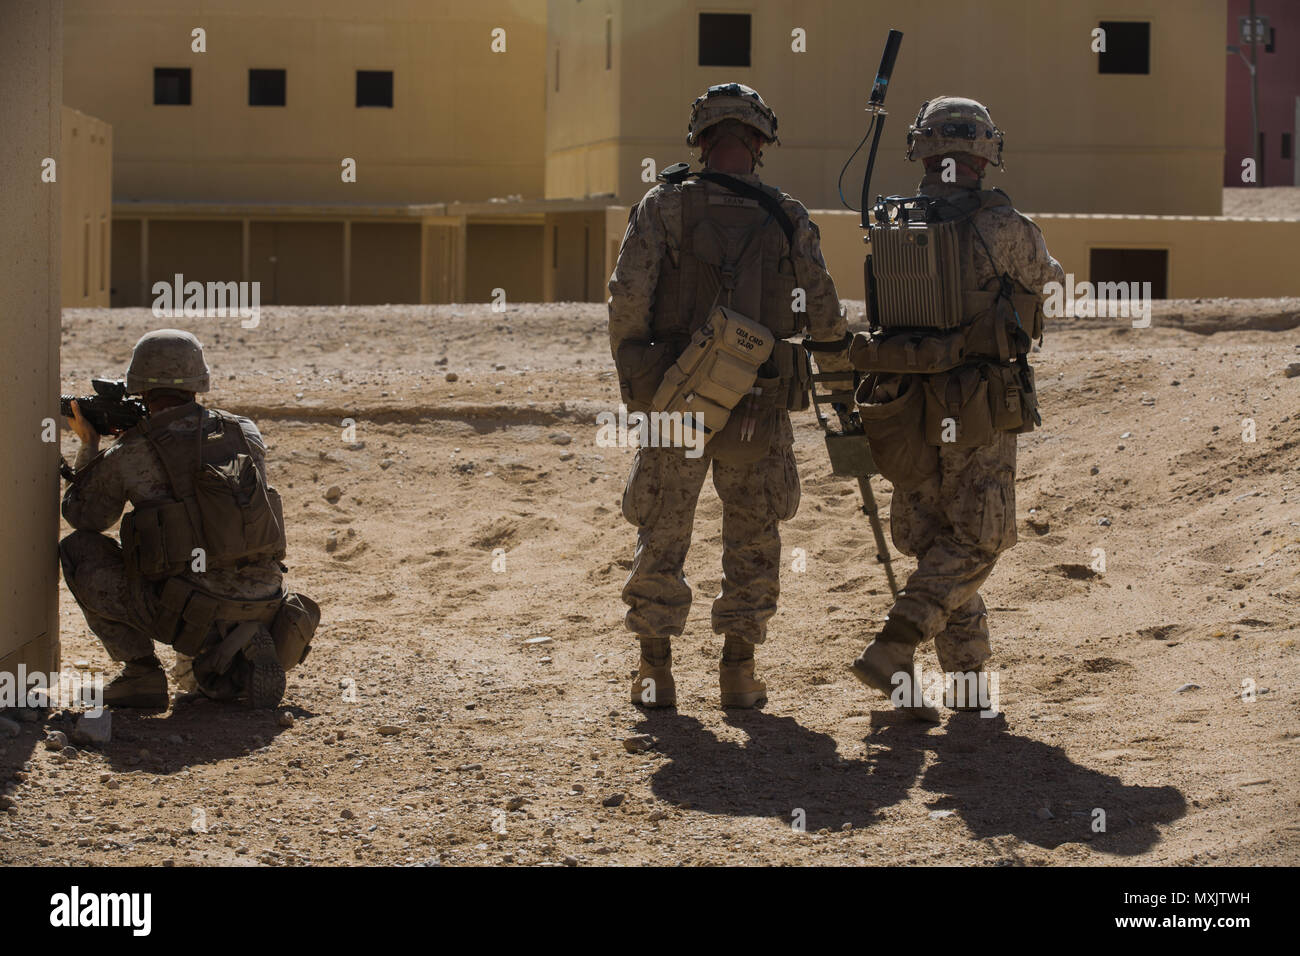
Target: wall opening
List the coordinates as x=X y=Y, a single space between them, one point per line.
x=171 y=86
x=375 y=88
x=1131 y=265
x=1128 y=47
x=267 y=88
x=724 y=39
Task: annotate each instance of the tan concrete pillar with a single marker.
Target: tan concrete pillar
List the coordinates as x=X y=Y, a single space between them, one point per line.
x=31 y=93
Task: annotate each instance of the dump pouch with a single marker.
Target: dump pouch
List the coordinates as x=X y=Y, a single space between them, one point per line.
x=1006 y=399
x=892 y=409
x=957 y=408
x=717 y=369
x=293 y=627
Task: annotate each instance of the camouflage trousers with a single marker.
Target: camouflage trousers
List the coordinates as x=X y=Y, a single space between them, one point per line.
x=95 y=572
x=662 y=491
x=956 y=523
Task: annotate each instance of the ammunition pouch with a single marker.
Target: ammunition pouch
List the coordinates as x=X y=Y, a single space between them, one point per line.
x=789 y=365
x=957 y=411
x=641 y=367
x=892 y=409
x=907 y=353
x=158 y=540
x=717 y=369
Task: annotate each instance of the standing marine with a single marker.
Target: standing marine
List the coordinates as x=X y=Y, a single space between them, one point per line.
x=716 y=260
x=198 y=566
x=948 y=389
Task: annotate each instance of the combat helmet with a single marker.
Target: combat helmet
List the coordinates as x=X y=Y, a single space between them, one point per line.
x=731 y=101
x=954 y=124
x=167 y=358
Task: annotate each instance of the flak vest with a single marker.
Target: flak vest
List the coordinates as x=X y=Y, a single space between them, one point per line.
x=736 y=254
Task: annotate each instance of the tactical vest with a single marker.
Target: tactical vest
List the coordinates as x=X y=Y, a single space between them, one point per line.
x=221 y=507
x=730 y=244
x=969 y=344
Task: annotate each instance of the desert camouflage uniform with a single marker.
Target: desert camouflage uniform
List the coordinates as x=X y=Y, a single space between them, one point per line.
x=957 y=522
x=664 y=484
x=93 y=565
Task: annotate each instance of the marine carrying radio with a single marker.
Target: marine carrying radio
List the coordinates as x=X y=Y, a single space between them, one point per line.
x=913 y=268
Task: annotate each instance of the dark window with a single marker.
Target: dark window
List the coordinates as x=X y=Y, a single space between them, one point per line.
x=1128 y=47
x=375 y=88
x=609 y=42
x=266 y=87
x=724 y=39
x=171 y=86
x=1272 y=40
x=1286 y=145
x=1263 y=160
x=1131 y=265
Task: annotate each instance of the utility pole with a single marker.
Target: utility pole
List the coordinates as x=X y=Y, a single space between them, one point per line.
x=1254 y=99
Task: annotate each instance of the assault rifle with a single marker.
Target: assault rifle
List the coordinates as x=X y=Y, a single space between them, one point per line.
x=108 y=411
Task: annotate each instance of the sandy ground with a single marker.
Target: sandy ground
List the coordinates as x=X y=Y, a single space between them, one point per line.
x=1276 y=202
x=426 y=728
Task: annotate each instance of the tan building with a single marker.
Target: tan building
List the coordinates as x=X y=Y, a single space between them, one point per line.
x=621 y=75
x=498 y=144
x=86 y=184
x=31 y=76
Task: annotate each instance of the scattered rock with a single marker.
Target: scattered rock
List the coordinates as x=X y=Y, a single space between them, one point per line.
x=570 y=861
x=452 y=376
x=1104 y=522
x=516 y=803
x=331 y=541
x=560 y=438
x=94 y=731
x=388 y=730
x=1293 y=370
x=638 y=743
x=566 y=456
x=613 y=800
x=56 y=740
x=285 y=719
x=1186 y=687
x=1040 y=521
x=347 y=814
x=1045 y=814
x=1094 y=470
x=940 y=814
x=534 y=641
x=333 y=493
x=386 y=463
x=657 y=815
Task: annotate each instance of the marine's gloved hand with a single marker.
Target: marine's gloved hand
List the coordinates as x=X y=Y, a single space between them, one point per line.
x=849 y=421
x=85 y=431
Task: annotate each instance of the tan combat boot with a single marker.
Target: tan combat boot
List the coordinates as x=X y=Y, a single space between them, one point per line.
x=740 y=688
x=142 y=683
x=892 y=652
x=653 y=685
